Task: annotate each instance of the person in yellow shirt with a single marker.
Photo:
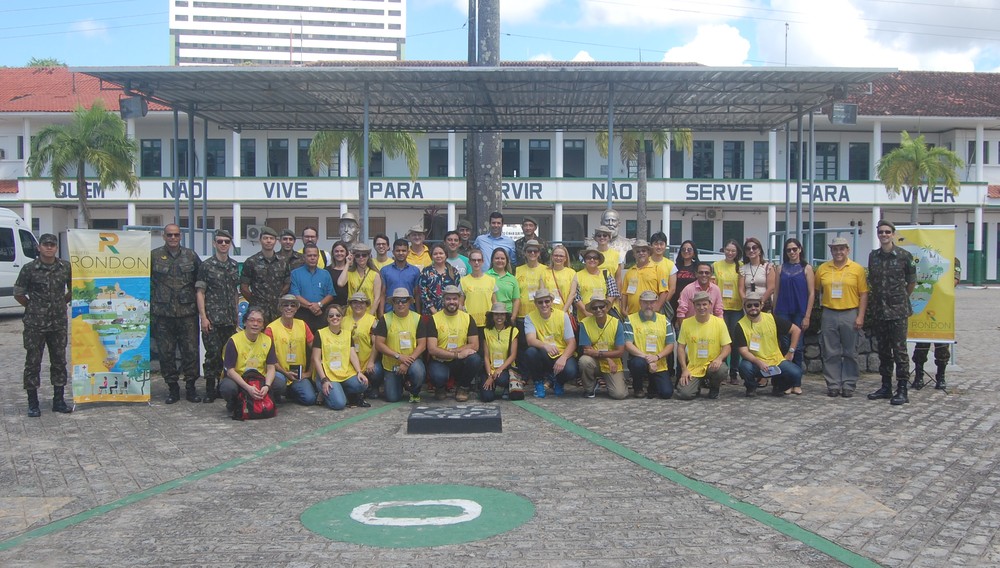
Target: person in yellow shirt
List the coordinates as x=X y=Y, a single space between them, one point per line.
x=612 y=258
x=843 y=289
x=551 y=351
x=335 y=361
x=591 y=279
x=478 y=290
x=419 y=255
x=702 y=348
x=603 y=340
x=757 y=336
x=362 y=323
x=453 y=344
x=292 y=344
x=564 y=277
x=726 y=273
x=531 y=277
x=363 y=276
x=649 y=340
x=382 y=248
x=645 y=275
x=402 y=340
x=247 y=350
x=499 y=351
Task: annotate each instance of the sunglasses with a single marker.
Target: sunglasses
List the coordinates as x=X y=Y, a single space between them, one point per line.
x=700 y=273
x=752 y=305
x=591 y=258
x=687 y=249
x=543 y=302
x=400 y=300
x=171 y=235
x=885 y=232
x=334 y=316
x=362 y=254
x=751 y=247
x=222 y=241
x=599 y=307
x=792 y=249
x=283 y=306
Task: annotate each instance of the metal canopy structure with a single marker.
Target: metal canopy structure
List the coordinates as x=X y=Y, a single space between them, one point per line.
x=517 y=96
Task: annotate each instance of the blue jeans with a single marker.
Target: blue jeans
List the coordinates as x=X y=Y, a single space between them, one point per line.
x=539 y=365
x=303 y=389
x=337 y=398
x=502 y=382
x=376 y=378
x=416 y=374
x=659 y=382
x=785 y=340
x=791 y=376
x=464 y=371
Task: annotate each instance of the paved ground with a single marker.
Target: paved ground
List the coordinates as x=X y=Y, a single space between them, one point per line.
x=798 y=481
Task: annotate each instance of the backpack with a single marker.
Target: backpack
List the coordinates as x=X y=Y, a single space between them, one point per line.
x=248 y=408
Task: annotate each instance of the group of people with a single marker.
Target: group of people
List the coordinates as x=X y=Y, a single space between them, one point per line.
x=471 y=314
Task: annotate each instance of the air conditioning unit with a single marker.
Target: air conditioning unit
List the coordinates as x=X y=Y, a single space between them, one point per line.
x=713 y=213
x=151 y=220
x=253 y=232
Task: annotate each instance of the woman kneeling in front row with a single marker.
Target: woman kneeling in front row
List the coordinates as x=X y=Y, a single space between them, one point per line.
x=338 y=369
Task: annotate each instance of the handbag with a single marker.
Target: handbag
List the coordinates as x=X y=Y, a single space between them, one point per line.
x=249 y=408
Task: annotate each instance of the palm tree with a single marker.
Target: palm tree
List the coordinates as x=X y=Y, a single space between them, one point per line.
x=95 y=137
x=914 y=164
x=326 y=145
x=633 y=148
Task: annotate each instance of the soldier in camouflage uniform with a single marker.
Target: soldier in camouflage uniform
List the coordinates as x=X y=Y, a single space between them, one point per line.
x=292 y=257
x=175 y=312
x=891 y=279
x=43 y=288
x=218 y=306
x=265 y=277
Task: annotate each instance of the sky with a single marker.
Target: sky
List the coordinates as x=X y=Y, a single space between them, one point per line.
x=938 y=35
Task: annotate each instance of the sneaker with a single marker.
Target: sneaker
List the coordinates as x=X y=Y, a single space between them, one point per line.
x=362 y=403
x=414 y=398
x=591 y=393
x=440 y=394
x=639 y=393
x=847 y=393
x=751 y=392
x=713 y=393
x=832 y=393
x=558 y=389
x=462 y=394
x=539 y=389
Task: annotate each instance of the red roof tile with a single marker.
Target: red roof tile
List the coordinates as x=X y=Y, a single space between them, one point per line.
x=54 y=89
x=993 y=191
x=8 y=186
x=931 y=93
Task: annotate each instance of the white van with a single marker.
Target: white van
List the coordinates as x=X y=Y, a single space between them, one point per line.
x=18 y=247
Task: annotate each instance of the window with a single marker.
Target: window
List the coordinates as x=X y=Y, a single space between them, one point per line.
x=108 y=224
x=227 y=224
x=7 y=250
x=732 y=230
x=704 y=159
x=703 y=234
x=973 y=154
x=277 y=157
x=277 y=223
x=574 y=158
x=826 y=160
x=150 y=158
x=511 y=158
x=182 y=159
x=675 y=232
x=632 y=168
x=376 y=165
x=676 y=165
x=248 y=158
x=889 y=147
x=539 y=158
x=305 y=168
x=632 y=227
x=799 y=154
x=732 y=159
x=858 y=161
x=761 y=160
x=215 y=157
x=437 y=157
x=28 y=244
x=20 y=147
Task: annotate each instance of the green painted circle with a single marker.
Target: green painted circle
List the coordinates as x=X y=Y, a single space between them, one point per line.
x=447 y=507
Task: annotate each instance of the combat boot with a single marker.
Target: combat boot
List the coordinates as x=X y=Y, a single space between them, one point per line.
x=210 y=392
x=918 y=377
x=58 y=402
x=190 y=391
x=900 y=396
x=939 y=382
x=884 y=392
x=175 y=393
x=34 y=410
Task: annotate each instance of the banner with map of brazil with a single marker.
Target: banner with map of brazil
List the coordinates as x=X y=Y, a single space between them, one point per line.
x=933 y=300
x=109 y=329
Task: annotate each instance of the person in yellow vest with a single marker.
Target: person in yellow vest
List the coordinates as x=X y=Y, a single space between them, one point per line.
x=551 y=352
x=246 y=350
x=649 y=340
x=478 y=290
x=613 y=259
x=335 y=361
x=419 y=254
x=702 y=349
x=591 y=279
x=402 y=340
x=726 y=274
x=645 y=275
x=603 y=340
x=499 y=351
x=292 y=345
x=531 y=277
x=843 y=288
x=362 y=324
x=363 y=276
x=453 y=344
x=757 y=336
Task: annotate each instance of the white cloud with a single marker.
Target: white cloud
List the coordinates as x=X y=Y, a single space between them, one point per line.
x=541 y=57
x=583 y=56
x=90 y=28
x=716 y=45
x=653 y=13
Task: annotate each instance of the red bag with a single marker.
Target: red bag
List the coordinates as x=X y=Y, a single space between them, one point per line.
x=249 y=408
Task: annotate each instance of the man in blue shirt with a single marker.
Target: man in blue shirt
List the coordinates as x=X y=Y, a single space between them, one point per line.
x=495 y=238
x=400 y=274
x=313 y=288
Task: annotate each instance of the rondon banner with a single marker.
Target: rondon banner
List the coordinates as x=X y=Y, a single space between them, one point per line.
x=933 y=300
x=109 y=329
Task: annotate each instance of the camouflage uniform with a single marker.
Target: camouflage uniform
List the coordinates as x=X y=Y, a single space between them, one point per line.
x=174 y=311
x=293 y=258
x=45 y=322
x=267 y=279
x=220 y=281
x=889 y=273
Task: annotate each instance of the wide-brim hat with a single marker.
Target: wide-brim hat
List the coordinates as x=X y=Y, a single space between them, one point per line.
x=648 y=296
x=753 y=297
x=359 y=297
x=598 y=296
x=600 y=255
x=701 y=297
x=839 y=241
x=542 y=293
x=401 y=293
x=604 y=229
x=499 y=308
x=418 y=228
x=452 y=289
x=361 y=247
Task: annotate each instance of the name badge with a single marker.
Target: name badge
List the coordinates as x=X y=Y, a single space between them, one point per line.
x=452 y=342
x=335 y=363
x=651 y=344
x=497 y=363
x=602 y=346
x=727 y=289
x=702 y=350
x=754 y=342
x=837 y=290
x=291 y=358
x=405 y=341
x=633 y=285
x=253 y=363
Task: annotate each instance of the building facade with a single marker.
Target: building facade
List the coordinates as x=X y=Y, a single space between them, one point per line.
x=732 y=185
x=283 y=32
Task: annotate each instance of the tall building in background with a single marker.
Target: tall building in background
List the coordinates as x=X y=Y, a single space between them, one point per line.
x=282 y=32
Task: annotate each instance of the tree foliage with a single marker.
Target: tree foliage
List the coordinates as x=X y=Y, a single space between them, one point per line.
x=96 y=138
x=914 y=164
x=45 y=62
